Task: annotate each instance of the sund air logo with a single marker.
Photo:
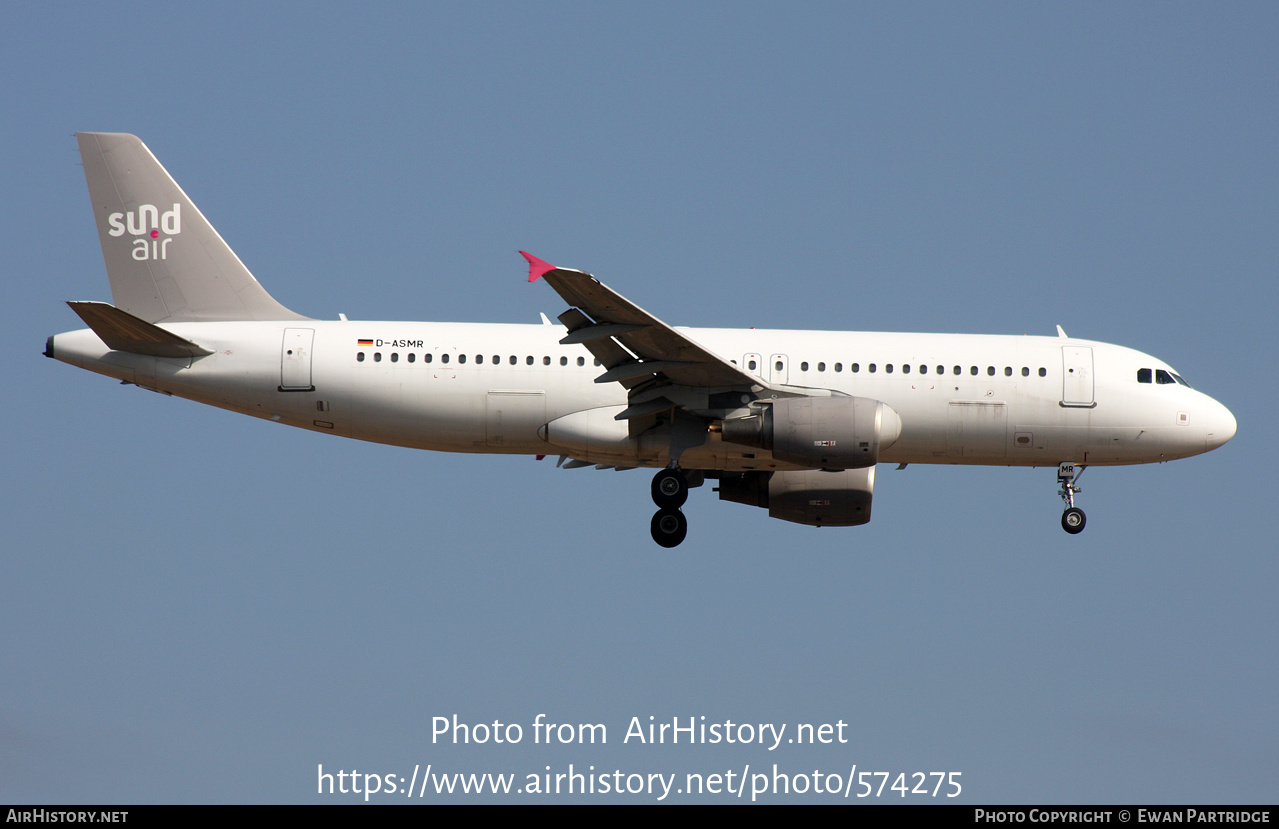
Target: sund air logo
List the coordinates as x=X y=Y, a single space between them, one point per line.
x=153 y=230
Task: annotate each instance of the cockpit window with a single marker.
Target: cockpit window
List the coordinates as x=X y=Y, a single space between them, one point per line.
x=1161 y=377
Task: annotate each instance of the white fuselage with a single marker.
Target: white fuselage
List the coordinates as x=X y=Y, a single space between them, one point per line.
x=459 y=387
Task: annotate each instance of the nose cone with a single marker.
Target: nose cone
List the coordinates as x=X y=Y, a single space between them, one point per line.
x=1221 y=426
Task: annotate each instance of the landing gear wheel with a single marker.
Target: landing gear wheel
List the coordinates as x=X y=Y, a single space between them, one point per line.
x=669 y=526
x=670 y=489
x=1072 y=520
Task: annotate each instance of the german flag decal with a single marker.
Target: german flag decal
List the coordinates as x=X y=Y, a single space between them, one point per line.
x=364 y=343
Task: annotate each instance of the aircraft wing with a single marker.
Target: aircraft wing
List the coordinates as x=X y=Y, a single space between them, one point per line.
x=654 y=347
x=660 y=366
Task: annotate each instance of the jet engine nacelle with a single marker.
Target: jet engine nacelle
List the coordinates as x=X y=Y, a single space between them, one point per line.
x=816 y=497
x=819 y=432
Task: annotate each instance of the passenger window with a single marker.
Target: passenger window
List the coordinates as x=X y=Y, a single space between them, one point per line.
x=395 y=356
x=839 y=367
x=412 y=357
x=854 y=368
x=871 y=368
x=529 y=360
x=821 y=366
x=359 y=358
x=802 y=366
x=941 y=369
x=1043 y=372
x=581 y=361
x=563 y=361
x=1025 y=372
x=461 y=358
x=973 y=371
x=546 y=361
x=990 y=371
x=889 y=368
x=428 y=357
x=958 y=371
x=905 y=368
x=778 y=367
x=1008 y=371
x=444 y=358
x=479 y=359
x=923 y=369
x=751 y=365
x=514 y=359
x=1143 y=375
x=377 y=356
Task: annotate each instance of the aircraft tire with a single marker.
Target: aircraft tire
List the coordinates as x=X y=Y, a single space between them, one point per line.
x=1073 y=520
x=670 y=489
x=669 y=526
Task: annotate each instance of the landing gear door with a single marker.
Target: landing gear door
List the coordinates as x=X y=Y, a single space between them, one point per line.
x=295 y=360
x=1076 y=374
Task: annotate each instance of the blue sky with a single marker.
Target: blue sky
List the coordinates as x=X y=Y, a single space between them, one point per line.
x=202 y=607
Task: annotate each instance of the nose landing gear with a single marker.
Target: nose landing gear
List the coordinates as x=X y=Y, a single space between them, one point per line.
x=670 y=491
x=1073 y=519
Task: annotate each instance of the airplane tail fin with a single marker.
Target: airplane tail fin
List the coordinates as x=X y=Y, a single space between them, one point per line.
x=166 y=263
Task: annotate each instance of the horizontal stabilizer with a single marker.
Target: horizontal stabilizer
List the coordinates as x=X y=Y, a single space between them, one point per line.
x=122 y=331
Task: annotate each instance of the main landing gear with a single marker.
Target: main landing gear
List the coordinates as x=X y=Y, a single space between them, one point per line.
x=670 y=491
x=1073 y=519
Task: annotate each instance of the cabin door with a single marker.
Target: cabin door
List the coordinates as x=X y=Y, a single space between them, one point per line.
x=1076 y=376
x=295 y=360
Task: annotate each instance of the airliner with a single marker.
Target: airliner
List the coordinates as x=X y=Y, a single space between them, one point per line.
x=794 y=422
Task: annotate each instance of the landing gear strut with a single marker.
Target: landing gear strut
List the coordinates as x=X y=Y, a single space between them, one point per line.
x=670 y=491
x=1073 y=519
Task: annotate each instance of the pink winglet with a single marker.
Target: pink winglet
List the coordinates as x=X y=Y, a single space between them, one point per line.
x=536 y=267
